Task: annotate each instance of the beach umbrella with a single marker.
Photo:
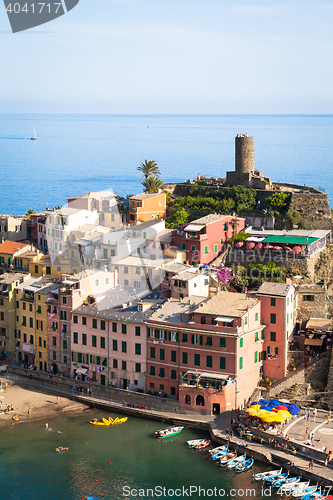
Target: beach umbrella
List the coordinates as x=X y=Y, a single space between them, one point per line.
x=265 y=407
x=256 y=407
x=254 y=403
x=281 y=407
x=284 y=413
x=268 y=247
x=265 y=401
x=277 y=249
x=258 y=246
x=296 y=250
x=278 y=418
x=250 y=245
x=294 y=409
x=261 y=413
x=239 y=244
x=287 y=249
x=267 y=418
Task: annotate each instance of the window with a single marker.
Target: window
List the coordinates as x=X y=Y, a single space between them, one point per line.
x=48 y=270
x=241 y=342
x=102 y=342
x=40 y=341
x=84 y=339
x=183 y=247
x=54 y=341
x=269 y=349
x=173 y=336
x=64 y=300
x=30 y=307
x=162 y=354
x=287 y=318
x=162 y=373
x=75 y=338
x=138 y=349
x=222 y=363
x=54 y=355
x=240 y=363
x=273 y=336
x=24 y=320
x=114 y=327
x=94 y=341
x=197 y=360
x=209 y=361
x=36 y=269
x=206 y=250
x=276 y=350
x=138 y=367
x=262 y=335
x=124 y=365
x=115 y=345
x=102 y=324
x=64 y=328
x=245 y=320
x=256 y=317
x=79 y=357
x=273 y=302
x=123 y=328
x=206 y=282
x=126 y=282
x=256 y=357
x=94 y=323
x=64 y=344
x=222 y=343
x=98 y=360
x=63 y=315
x=174 y=374
x=173 y=356
x=96 y=282
x=273 y=319
x=287 y=301
x=209 y=341
x=125 y=270
x=39 y=309
x=124 y=347
x=75 y=319
x=256 y=336
x=185 y=358
x=115 y=363
x=185 y=338
x=137 y=331
x=152 y=352
x=197 y=339
x=31 y=322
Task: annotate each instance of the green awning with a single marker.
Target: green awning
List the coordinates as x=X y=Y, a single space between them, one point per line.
x=290 y=240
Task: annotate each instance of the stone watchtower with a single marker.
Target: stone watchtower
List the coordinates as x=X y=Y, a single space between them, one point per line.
x=244 y=154
x=244 y=165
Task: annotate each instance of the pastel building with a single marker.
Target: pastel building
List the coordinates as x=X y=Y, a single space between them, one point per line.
x=206 y=352
x=13 y=228
x=278 y=312
x=146 y=206
x=203 y=239
x=109 y=339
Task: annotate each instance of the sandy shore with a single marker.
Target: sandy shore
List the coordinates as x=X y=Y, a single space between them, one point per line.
x=41 y=404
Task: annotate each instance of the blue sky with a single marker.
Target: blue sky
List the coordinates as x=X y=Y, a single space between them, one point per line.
x=173 y=56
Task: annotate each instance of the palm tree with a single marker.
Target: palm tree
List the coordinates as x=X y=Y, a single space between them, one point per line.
x=153 y=184
x=148 y=168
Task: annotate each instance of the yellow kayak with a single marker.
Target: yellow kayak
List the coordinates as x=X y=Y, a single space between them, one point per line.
x=105 y=424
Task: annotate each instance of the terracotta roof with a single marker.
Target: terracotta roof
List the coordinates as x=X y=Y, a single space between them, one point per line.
x=11 y=247
x=228 y=304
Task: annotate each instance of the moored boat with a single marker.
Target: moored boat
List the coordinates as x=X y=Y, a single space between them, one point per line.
x=278 y=477
x=236 y=461
x=219 y=448
x=307 y=490
x=193 y=442
x=229 y=456
x=262 y=475
x=244 y=466
x=202 y=445
x=219 y=454
x=170 y=431
x=287 y=484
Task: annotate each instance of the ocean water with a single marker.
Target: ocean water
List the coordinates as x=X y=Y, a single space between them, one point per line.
x=105 y=462
x=74 y=154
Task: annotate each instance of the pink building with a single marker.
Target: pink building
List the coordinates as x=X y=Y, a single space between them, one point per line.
x=205 y=352
x=203 y=239
x=109 y=339
x=278 y=312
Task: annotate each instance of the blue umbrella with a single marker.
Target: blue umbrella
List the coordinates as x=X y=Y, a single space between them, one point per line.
x=265 y=407
x=255 y=403
x=265 y=401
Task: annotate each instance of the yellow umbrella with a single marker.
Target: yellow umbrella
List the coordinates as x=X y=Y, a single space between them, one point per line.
x=261 y=413
x=256 y=407
x=278 y=418
x=284 y=413
x=251 y=412
x=268 y=417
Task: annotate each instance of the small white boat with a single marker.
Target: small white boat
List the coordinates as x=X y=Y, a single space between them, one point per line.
x=229 y=456
x=297 y=490
x=34 y=137
x=236 y=461
x=219 y=448
x=171 y=431
x=193 y=442
x=262 y=475
x=308 y=490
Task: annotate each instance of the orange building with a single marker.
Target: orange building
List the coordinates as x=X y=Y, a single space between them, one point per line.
x=146 y=206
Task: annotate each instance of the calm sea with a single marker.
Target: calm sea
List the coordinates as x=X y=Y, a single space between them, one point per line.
x=78 y=153
x=105 y=461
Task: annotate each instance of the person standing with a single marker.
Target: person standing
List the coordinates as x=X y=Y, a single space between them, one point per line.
x=308 y=416
x=29 y=412
x=328 y=417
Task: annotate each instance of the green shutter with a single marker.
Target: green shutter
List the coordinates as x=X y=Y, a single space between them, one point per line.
x=222 y=363
x=241 y=342
x=240 y=363
x=256 y=357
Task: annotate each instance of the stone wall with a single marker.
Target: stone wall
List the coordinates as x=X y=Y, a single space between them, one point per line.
x=311 y=309
x=317 y=373
x=314 y=209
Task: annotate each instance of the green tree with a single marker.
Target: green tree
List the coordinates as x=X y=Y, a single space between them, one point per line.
x=177 y=218
x=148 y=168
x=278 y=201
x=153 y=184
x=30 y=211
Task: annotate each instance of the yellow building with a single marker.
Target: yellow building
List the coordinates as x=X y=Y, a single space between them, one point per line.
x=31 y=320
x=146 y=206
x=8 y=282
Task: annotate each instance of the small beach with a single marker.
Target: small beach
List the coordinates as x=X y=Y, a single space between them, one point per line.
x=41 y=404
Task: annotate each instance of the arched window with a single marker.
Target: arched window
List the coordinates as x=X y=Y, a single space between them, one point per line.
x=200 y=400
x=187 y=399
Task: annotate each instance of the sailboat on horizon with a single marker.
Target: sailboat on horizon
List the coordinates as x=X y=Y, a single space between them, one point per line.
x=34 y=137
